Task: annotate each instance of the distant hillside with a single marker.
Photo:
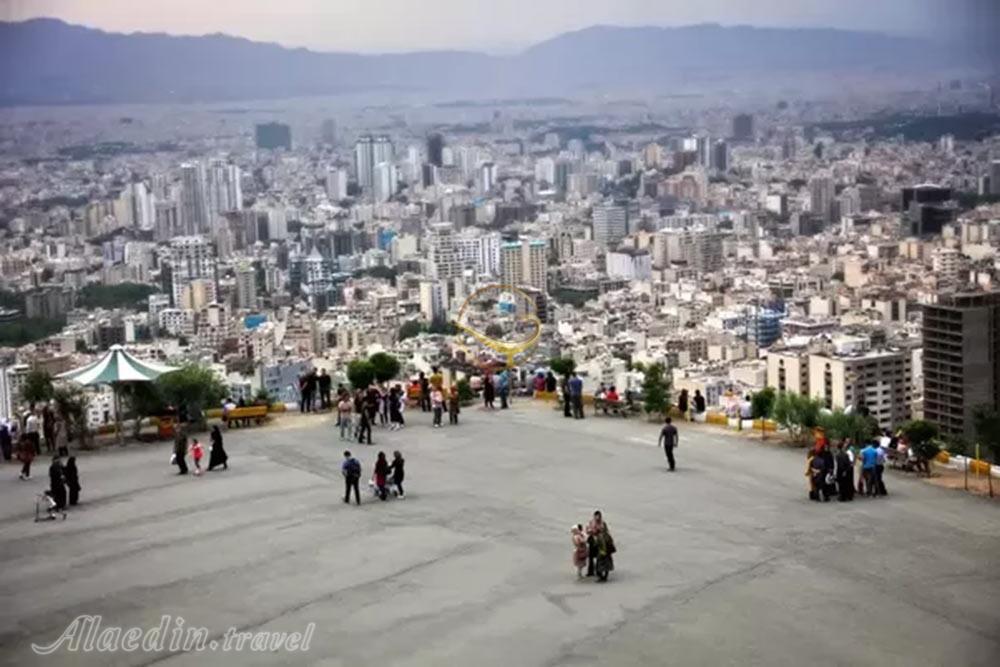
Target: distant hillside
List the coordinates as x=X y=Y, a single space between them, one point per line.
x=46 y=61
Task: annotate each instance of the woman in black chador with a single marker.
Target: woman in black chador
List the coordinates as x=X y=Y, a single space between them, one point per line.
x=218 y=456
x=57 y=483
x=72 y=476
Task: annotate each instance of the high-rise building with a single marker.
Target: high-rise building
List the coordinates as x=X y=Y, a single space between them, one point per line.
x=545 y=171
x=443 y=251
x=927 y=209
x=369 y=152
x=194 y=201
x=743 y=127
x=610 y=222
x=271 y=136
x=720 y=155
x=487 y=177
x=432 y=300
x=246 y=287
x=435 y=149
x=192 y=258
x=821 y=193
x=166 y=220
x=703 y=147
x=336 y=184
x=961 y=359
x=386 y=180
x=524 y=263
x=223 y=189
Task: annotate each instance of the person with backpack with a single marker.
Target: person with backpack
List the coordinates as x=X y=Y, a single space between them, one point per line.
x=351 y=470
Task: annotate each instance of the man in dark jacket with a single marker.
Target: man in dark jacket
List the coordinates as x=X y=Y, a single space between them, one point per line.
x=351 y=470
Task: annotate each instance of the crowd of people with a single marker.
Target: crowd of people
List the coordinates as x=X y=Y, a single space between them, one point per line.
x=833 y=473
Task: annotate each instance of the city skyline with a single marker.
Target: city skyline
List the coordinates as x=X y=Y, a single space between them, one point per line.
x=388 y=26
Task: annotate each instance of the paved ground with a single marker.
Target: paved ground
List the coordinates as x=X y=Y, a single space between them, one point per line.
x=722 y=562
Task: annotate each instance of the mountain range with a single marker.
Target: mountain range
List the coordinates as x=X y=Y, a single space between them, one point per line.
x=47 y=61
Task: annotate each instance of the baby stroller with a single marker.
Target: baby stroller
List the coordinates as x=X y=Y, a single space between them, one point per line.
x=390 y=488
x=46 y=501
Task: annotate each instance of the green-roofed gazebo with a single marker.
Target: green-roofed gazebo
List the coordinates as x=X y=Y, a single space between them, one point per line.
x=116 y=368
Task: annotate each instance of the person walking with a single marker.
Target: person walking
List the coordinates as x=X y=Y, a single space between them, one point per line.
x=217 y=454
x=437 y=405
x=425 y=392
x=881 y=454
x=351 y=470
x=31 y=429
x=49 y=428
x=6 y=442
x=567 y=397
x=503 y=388
x=344 y=416
x=869 y=463
x=845 y=474
x=25 y=454
x=579 y=549
x=197 y=452
x=682 y=403
x=395 y=408
x=669 y=439
x=489 y=391
x=454 y=405
x=699 y=405
x=57 y=484
x=576 y=395
x=180 y=454
x=595 y=527
x=380 y=476
x=304 y=398
x=72 y=480
x=398 y=474
x=364 y=427
x=325 y=381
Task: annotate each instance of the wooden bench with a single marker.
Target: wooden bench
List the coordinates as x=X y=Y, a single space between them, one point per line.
x=256 y=412
x=620 y=407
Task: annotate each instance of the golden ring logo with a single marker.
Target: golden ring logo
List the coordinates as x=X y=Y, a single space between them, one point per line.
x=509 y=349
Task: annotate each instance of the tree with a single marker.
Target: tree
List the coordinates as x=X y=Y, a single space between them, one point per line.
x=465 y=393
x=562 y=365
x=762 y=407
x=384 y=365
x=193 y=387
x=797 y=414
x=922 y=436
x=142 y=399
x=986 y=421
x=360 y=373
x=494 y=331
x=656 y=390
x=262 y=397
x=840 y=425
x=409 y=329
x=37 y=387
x=71 y=405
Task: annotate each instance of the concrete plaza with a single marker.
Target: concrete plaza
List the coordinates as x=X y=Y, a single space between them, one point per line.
x=723 y=562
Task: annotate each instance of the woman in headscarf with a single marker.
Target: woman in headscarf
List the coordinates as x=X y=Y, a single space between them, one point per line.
x=489 y=391
x=57 y=484
x=380 y=476
x=25 y=454
x=398 y=474
x=180 y=453
x=217 y=454
x=845 y=474
x=72 y=476
x=579 y=549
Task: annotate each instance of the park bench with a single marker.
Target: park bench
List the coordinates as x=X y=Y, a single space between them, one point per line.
x=256 y=412
x=620 y=407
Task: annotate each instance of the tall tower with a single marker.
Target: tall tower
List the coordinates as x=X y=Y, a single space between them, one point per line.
x=194 y=203
x=435 y=149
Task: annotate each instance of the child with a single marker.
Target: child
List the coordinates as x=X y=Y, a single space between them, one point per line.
x=437 y=403
x=197 y=451
x=453 y=406
x=579 y=549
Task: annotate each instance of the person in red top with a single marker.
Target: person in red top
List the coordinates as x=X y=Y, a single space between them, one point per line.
x=197 y=452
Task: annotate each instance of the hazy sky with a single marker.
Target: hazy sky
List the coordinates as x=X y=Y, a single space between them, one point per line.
x=491 y=25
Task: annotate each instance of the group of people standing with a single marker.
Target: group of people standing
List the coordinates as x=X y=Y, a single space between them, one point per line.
x=692 y=408
x=23 y=438
x=833 y=473
x=217 y=453
x=64 y=483
x=593 y=548
x=314 y=391
x=496 y=385
x=382 y=473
